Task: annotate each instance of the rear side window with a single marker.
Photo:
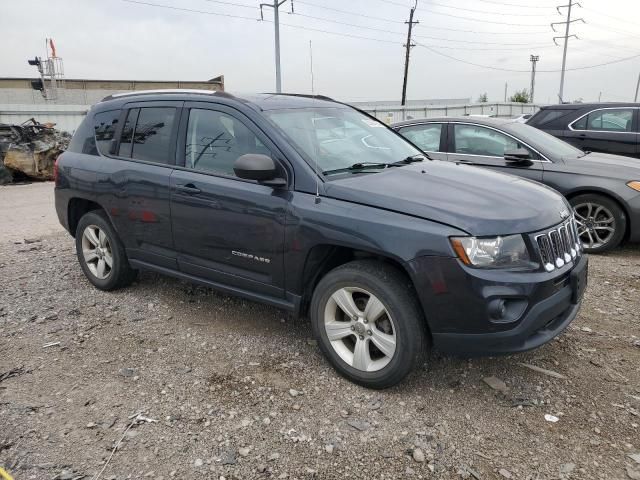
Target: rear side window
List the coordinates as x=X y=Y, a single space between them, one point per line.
x=126 y=139
x=613 y=120
x=545 y=117
x=475 y=140
x=146 y=134
x=152 y=137
x=427 y=137
x=104 y=127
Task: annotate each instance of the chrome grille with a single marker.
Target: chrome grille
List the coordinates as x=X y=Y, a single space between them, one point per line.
x=559 y=246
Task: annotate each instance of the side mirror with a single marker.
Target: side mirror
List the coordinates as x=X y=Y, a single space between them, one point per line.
x=520 y=155
x=255 y=166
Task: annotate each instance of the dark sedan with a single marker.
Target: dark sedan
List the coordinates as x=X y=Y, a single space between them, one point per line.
x=604 y=190
x=593 y=127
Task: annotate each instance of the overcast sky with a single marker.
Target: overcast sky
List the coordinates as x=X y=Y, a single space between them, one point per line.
x=116 y=39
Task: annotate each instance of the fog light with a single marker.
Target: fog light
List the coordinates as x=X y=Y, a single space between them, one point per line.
x=497 y=309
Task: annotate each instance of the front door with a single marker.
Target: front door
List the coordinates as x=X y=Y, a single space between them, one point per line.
x=485 y=147
x=226 y=229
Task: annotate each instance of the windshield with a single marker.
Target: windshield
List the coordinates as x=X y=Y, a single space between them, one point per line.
x=548 y=144
x=338 y=138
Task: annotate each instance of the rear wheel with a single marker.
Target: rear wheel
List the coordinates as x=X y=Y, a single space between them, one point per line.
x=368 y=323
x=601 y=222
x=101 y=253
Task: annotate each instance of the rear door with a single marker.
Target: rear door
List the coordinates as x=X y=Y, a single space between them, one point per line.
x=607 y=130
x=139 y=179
x=485 y=147
x=430 y=137
x=226 y=229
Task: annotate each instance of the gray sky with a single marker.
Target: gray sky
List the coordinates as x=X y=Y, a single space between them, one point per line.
x=121 y=40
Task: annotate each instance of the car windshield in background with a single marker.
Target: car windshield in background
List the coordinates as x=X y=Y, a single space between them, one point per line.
x=548 y=144
x=336 y=139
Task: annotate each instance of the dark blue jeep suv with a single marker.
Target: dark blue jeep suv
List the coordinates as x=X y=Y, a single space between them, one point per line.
x=317 y=208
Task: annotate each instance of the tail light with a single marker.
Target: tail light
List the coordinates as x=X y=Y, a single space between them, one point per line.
x=55 y=169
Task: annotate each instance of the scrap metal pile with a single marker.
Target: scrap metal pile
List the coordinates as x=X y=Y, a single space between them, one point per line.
x=29 y=150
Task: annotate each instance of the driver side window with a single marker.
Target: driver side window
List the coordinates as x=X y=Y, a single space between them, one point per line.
x=215 y=140
x=477 y=140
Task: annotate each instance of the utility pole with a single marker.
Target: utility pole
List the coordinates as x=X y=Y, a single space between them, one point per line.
x=506 y=85
x=408 y=47
x=566 y=37
x=635 y=99
x=276 y=21
x=534 y=59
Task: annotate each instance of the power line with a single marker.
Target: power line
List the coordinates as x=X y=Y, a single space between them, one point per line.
x=489 y=21
x=361 y=37
x=252 y=7
x=489 y=13
x=375 y=29
x=515 y=5
x=611 y=16
x=490 y=67
x=357 y=14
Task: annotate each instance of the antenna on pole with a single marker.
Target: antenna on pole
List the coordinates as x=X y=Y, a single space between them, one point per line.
x=313 y=91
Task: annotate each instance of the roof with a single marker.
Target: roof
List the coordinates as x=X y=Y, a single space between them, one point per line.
x=489 y=121
x=578 y=106
x=261 y=101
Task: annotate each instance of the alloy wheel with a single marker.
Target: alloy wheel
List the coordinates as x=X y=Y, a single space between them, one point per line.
x=360 y=329
x=97 y=253
x=596 y=224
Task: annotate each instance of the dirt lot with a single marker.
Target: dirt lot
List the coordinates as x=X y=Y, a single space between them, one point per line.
x=239 y=390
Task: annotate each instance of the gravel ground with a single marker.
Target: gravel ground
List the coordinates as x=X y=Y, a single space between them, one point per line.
x=191 y=384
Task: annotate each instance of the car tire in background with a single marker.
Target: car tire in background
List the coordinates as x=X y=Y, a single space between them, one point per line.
x=601 y=222
x=368 y=323
x=101 y=253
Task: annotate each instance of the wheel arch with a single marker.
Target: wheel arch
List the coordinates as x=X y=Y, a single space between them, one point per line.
x=323 y=258
x=77 y=208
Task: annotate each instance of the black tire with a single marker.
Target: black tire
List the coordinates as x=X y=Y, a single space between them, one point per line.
x=609 y=208
x=121 y=274
x=395 y=292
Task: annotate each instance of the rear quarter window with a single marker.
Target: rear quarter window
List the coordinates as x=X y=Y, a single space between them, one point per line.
x=94 y=135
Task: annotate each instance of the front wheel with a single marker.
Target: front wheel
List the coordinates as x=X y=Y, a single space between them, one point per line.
x=368 y=323
x=601 y=222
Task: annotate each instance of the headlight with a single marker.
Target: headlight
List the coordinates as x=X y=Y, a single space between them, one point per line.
x=495 y=252
x=635 y=185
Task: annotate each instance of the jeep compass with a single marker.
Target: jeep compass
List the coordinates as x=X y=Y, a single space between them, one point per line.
x=314 y=207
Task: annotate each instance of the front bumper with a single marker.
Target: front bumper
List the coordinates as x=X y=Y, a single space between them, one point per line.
x=461 y=323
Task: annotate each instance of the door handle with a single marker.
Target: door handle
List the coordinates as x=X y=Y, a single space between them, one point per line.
x=582 y=136
x=189 y=188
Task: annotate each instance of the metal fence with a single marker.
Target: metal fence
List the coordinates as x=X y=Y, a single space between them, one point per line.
x=68 y=117
x=391 y=114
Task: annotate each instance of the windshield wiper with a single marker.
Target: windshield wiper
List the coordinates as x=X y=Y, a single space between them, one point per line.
x=584 y=154
x=412 y=159
x=360 y=166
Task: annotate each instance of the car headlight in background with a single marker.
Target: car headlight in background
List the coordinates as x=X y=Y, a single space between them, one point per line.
x=634 y=184
x=494 y=252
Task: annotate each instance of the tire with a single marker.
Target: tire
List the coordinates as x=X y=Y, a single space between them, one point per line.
x=402 y=321
x=102 y=247
x=596 y=214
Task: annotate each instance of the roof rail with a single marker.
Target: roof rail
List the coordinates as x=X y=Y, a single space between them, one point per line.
x=304 y=95
x=165 y=91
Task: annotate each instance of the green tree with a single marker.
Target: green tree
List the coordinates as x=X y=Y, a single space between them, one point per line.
x=521 y=96
x=483 y=98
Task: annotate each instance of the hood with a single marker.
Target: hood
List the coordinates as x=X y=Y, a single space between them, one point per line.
x=605 y=165
x=479 y=201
